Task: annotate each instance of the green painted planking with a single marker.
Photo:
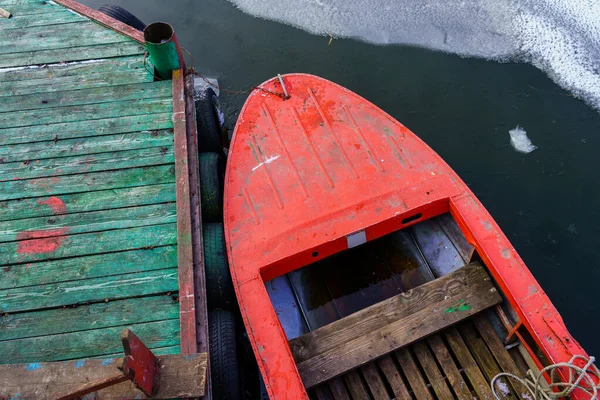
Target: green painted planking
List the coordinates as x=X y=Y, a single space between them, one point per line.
x=97 y=162
x=87 y=344
x=88 y=267
x=86 y=33
x=158 y=351
x=88 y=290
x=85 y=112
x=28 y=251
x=32 y=7
x=71 y=54
x=94 y=221
x=97 y=315
x=76 y=70
x=108 y=94
x=62 y=83
x=56 y=133
x=86 y=201
x=85 y=146
x=55 y=186
x=20 y=21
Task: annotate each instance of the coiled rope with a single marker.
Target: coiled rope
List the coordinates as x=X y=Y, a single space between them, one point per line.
x=586 y=379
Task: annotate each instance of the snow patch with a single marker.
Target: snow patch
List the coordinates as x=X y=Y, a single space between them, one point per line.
x=520 y=141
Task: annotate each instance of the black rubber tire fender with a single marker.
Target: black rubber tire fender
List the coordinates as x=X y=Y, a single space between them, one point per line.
x=121 y=14
x=219 y=287
x=212 y=173
x=208 y=123
x=224 y=366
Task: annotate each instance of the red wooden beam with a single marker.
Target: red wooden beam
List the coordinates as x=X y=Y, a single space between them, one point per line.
x=104 y=19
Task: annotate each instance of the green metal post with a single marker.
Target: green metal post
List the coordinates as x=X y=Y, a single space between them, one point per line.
x=163 y=48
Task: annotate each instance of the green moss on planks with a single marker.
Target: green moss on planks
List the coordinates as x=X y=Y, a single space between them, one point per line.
x=88 y=290
x=57 y=37
x=76 y=70
x=85 y=112
x=87 y=267
x=55 y=134
x=95 y=221
x=97 y=316
x=109 y=94
x=111 y=77
x=87 y=344
x=96 y=162
x=31 y=250
x=85 y=146
x=86 y=201
x=78 y=53
x=21 y=21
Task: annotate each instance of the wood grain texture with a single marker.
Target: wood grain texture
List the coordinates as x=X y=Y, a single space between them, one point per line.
x=434 y=376
x=97 y=162
x=63 y=246
x=338 y=389
x=386 y=363
x=86 y=201
x=83 y=52
x=384 y=327
x=97 y=315
x=374 y=381
x=56 y=186
x=444 y=358
x=31 y=7
x=88 y=290
x=355 y=386
x=76 y=345
x=58 y=17
x=86 y=267
x=180 y=377
x=413 y=375
x=79 y=96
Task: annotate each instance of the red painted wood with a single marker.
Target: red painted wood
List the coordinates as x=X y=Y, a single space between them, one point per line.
x=140 y=364
x=104 y=19
x=306 y=172
x=185 y=256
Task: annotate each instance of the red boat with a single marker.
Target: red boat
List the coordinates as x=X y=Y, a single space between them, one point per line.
x=364 y=267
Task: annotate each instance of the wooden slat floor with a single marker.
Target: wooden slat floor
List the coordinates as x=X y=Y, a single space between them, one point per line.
x=457 y=363
x=88 y=233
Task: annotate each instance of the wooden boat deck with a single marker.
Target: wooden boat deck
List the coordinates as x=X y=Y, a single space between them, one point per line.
x=88 y=216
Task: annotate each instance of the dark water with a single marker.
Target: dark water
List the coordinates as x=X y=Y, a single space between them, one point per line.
x=545 y=201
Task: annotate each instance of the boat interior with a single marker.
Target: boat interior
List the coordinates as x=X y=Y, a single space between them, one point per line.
x=414 y=314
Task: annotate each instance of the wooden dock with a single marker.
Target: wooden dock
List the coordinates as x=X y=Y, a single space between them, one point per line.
x=95 y=209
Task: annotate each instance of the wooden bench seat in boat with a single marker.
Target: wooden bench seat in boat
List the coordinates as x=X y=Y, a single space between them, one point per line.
x=392 y=324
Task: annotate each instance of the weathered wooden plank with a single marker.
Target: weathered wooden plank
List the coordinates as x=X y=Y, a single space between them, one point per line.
x=85 y=146
x=94 y=221
x=374 y=381
x=413 y=375
x=32 y=7
x=355 y=386
x=96 y=162
x=77 y=97
x=338 y=389
x=51 y=56
x=111 y=77
x=85 y=112
x=54 y=186
x=57 y=37
x=386 y=363
x=435 y=377
x=180 y=377
x=84 y=344
x=466 y=361
x=30 y=250
x=377 y=330
x=55 y=133
x=158 y=351
x=81 y=69
x=87 y=267
x=189 y=343
x=83 y=317
x=88 y=290
x=323 y=393
x=86 y=201
x=450 y=370
x=59 y=17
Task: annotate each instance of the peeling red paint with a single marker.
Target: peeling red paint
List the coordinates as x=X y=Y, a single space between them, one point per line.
x=56 y=204
x=40 y=242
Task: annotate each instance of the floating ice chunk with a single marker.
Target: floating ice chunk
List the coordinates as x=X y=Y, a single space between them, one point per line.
x=520 y=141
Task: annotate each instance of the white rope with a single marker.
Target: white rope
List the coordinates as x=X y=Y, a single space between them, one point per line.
x=586 y=378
